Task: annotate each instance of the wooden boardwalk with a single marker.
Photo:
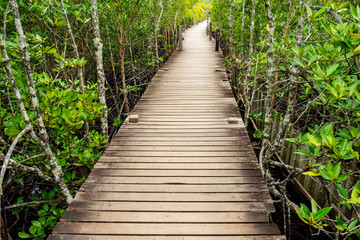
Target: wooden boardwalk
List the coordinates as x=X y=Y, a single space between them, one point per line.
x=185 y=171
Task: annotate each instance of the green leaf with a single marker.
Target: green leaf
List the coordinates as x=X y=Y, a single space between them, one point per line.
x=337 y=169
x=51 y=51
x=314 y=140
x=353 y=224
x=11 y=131
x=318 y=13
x=36 y=223
x=321 y=213
x=329 y=167
x=356 y=51
x=32 y=230
x=357 y=94
x=355 y=36
x=299 y=62
x=311 y=173
x=18 y=180
x=342 y=191
x=305 y=210
x=292 y=140
x=325 y=174
x=343 y=177
x=309 y=11
x=354 y=12
x=23 y=235
x=60 y=23
x=331 y=69
x=313 y=206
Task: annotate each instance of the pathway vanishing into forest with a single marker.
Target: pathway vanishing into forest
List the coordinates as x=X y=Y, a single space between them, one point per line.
x=185 y=170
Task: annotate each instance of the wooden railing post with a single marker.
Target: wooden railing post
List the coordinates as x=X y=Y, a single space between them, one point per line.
x=217 y=38
x=210 y=31
x=180 y=38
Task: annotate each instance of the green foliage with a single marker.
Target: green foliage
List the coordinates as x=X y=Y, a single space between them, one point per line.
x=313 y=218
x=322 y=63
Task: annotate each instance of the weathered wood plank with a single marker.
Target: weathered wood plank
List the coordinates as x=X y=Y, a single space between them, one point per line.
x=174 y=188
x=166 y=229
x=181 y=148
x=194 y=132
x=153 y=237
x=174 y=180
x=165 y=159
x=118 y=142
x=175 y=173
x=178 y=154
x=173 y=206
x=173 y=197
x=169 y=139
x=166 y=217
x=179 y=166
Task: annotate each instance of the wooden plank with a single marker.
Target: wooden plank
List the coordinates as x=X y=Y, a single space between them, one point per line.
x=173 y=197
x=166 y=217
x=181 y=148
x=195 y=132
x=165 y=229
x=165 y=159
x=195 y=188
x=118 y=237
x=173 y=206
x=179 y=154
x=126 y=142
x=178 y=166
x=169 y=139
x=175 y=173
x=174 y=180
x=183 y=128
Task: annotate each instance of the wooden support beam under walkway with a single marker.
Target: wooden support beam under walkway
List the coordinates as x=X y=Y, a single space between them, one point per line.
x=182 y=166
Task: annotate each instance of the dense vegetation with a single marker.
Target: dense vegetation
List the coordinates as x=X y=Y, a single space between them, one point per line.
x=304 y=57
x=70 y=73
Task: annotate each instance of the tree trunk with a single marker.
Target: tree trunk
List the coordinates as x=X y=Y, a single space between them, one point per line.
x=122 y=56
x=55 y=168
x=286 y=123
x=249 y=61
x=100 y=68
x=242 y=30
x=156 y=34
x=269 y=87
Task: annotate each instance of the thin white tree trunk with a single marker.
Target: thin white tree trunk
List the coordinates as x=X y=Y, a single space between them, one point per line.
x=55 y=168
x=157 y=25
x=269 y=87
x=100 y=68
x=233 y=81
x=242 y=30
x=286 y=123
x=249 y=61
